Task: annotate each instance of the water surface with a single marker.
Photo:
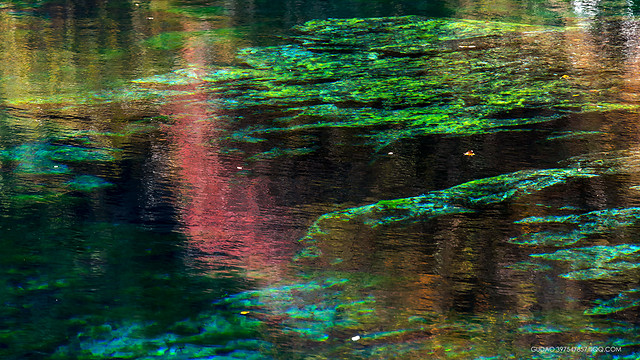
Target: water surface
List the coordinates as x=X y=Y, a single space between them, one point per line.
x=158 y=200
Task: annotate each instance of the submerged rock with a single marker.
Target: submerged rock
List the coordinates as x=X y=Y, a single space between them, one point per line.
x=464 y=198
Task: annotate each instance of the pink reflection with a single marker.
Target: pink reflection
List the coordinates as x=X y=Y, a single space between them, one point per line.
x=227 y=217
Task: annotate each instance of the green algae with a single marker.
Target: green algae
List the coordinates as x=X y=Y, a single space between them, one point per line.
x=464 y=198
x=315 y=310
x=305 y=320
x=541 y=329
x=594 y=255
x=596 y=262
x=401 y=35
x=588 y=224
x=388 y=79
x=217 y=337
x=88 y=183
x=397 y=78
x=623 y=301
x=47 y=159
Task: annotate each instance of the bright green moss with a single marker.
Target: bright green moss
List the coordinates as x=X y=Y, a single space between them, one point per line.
x=390 y=79
x=400 y=35
x=357 y=73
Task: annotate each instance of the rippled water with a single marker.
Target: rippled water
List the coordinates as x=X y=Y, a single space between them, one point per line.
x=165 y=197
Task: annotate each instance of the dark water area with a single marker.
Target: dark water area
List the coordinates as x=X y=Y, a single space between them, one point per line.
x=258 y=180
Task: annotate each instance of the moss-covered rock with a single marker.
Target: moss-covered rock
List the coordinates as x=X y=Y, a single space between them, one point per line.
x=464 y=198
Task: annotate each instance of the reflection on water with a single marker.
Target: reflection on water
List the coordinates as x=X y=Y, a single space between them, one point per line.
x=163 y=198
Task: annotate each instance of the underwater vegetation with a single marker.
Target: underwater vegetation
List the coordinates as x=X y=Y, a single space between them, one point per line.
x=399 y=78
x=54 y=162
x=385 y=80
x=338 y=316
x=45 y=158
x=592 y=223
x=468 y=197
x=382 y=79
x=87 y=183
x=216 y=336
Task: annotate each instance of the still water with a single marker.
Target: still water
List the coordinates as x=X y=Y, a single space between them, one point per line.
x=168 y=194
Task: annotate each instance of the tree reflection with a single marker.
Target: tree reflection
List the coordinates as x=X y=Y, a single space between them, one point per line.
x=225 y=214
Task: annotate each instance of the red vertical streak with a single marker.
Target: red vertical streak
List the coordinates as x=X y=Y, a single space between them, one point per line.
x=222 y=219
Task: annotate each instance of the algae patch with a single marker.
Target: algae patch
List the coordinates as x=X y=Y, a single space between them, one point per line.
x=464 y=198
x=592 y=223
x=390 y=79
